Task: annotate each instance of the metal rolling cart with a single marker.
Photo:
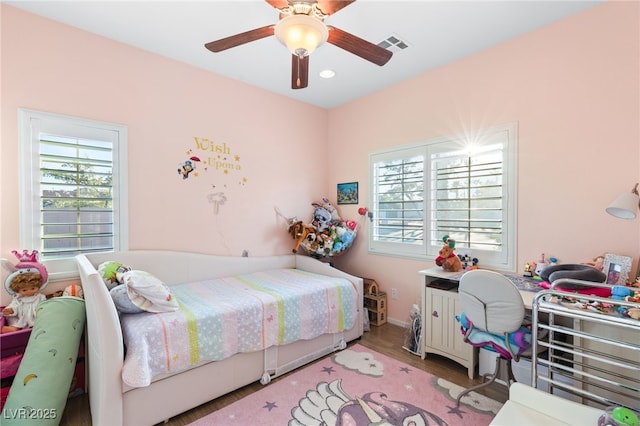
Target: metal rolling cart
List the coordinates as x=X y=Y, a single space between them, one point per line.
x=593 y=348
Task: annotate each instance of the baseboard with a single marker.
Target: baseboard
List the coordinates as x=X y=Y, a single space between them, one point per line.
x=398 y=322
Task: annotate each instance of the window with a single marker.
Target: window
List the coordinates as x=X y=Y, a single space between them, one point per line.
x=73 y=186
x=463 y=187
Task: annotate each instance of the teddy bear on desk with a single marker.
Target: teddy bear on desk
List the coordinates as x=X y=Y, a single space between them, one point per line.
x=447 y=258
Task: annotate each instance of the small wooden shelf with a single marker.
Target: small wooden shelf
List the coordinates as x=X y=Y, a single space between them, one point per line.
x=375 y=301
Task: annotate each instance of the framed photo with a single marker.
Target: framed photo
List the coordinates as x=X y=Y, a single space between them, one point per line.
x=348 y=193
x=617 y=268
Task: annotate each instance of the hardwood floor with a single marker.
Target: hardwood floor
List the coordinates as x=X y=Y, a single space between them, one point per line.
x=387 y=339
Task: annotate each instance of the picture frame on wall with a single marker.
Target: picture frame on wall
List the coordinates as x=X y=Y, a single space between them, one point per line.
x=348 y=193
x=617 y=268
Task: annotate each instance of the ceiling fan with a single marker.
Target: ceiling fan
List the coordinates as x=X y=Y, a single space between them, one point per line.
x=302 y=29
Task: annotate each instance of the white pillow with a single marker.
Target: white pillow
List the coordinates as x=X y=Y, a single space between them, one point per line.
x=121 y=299
x=148 y=292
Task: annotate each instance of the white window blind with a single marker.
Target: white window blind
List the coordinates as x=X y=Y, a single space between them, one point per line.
x=398 y=200
x=73 y=185
x=467 y=197
x=463 y=187
x=76 y=194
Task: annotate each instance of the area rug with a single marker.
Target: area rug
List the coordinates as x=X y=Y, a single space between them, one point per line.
x=357 y=387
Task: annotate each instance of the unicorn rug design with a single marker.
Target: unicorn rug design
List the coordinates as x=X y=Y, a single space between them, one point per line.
x=357 y=387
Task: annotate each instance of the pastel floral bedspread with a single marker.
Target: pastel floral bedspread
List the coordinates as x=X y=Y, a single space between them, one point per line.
x=220 y=317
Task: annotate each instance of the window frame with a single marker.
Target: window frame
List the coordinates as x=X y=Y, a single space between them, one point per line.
x=504 y=260
x=31 y=124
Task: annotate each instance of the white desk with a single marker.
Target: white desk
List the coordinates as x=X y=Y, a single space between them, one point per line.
x=527 y=298
x=440 y=332
x=527 y=295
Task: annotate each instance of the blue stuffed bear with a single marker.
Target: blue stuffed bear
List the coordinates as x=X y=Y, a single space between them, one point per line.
x=619 y=292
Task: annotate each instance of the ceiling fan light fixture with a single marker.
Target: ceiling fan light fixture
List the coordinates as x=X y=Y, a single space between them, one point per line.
x=302 y=34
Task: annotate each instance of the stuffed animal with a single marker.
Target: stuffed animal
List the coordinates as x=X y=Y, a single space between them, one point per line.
x=335 y=216
x=635 y=297
x=447 y=258
x=73 y=290
x=468 y=263
x=111 y=273
x=619 y=292
x=325 y=244
x=300 y=232
x=321 y=219
x=343 y=239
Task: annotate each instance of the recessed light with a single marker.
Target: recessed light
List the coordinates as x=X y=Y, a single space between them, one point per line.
x=327 y=73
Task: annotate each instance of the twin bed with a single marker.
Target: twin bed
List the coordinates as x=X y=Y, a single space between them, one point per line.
x=240 y=320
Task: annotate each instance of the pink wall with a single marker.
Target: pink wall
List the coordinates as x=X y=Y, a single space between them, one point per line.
x=573 y=87
x=165 y=104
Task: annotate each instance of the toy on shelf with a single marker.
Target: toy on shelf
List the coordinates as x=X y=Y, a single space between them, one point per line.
x=628 y=294
x=540 y=266
x=597 y=262
x=468 y=263
x=618 y=416
x=632 y=313
x=635 y=297
x=619 y=292
x=527 y=270
x=25 y=283
x=73 y=290
x=447 y=258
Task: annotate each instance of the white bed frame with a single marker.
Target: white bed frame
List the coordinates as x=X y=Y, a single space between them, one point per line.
x=114 y=403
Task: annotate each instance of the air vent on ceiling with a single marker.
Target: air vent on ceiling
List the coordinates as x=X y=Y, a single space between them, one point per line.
x=393 y=43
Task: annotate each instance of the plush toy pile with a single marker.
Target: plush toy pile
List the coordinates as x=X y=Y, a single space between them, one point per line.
x=326 y=235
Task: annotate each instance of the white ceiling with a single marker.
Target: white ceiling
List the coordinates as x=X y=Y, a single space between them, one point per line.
x=437 y=32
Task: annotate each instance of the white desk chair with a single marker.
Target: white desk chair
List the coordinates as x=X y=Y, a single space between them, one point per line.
x=493 y=312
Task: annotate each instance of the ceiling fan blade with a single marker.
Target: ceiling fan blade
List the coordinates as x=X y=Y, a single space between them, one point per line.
x=242 y=38
x=332 y=6
x=299 y=72
x=278 y=4
x=357 y=46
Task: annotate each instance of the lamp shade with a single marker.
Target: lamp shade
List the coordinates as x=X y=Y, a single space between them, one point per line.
x=301 y=33
x=626 y=205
